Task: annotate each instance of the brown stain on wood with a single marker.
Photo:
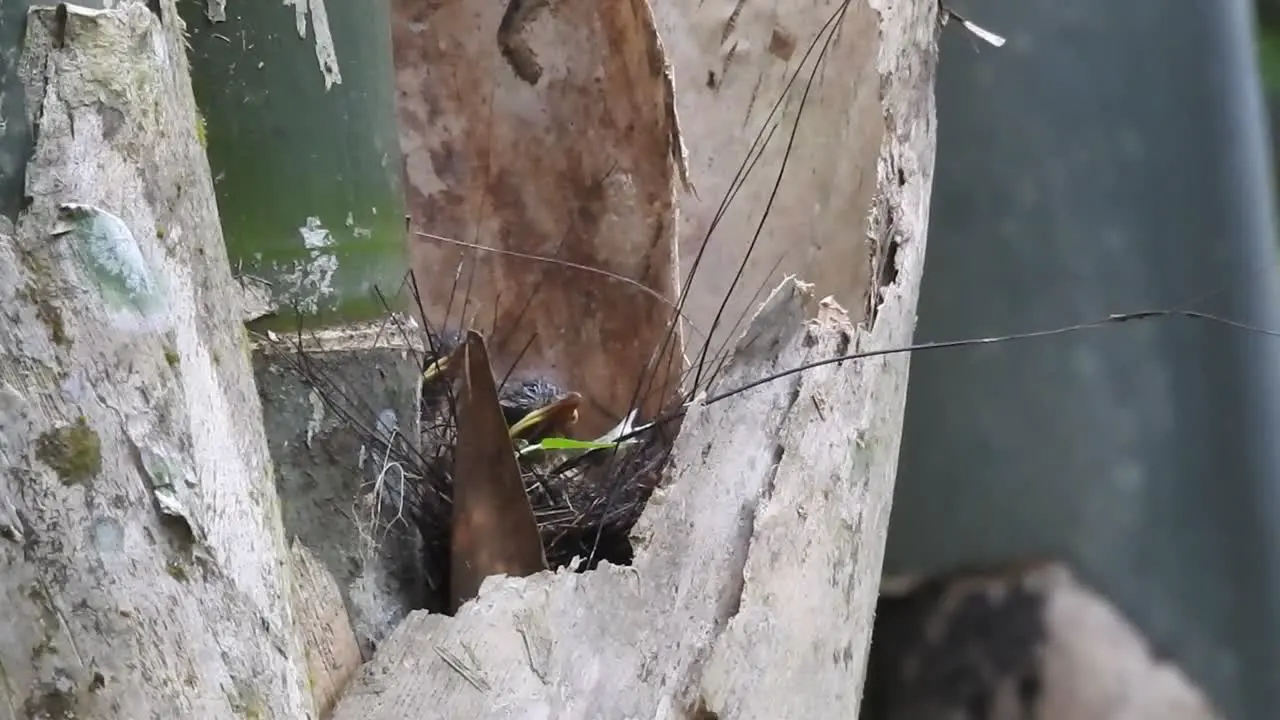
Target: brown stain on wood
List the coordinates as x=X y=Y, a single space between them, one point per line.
x=782 y=44
x=577 y=167
x=494 y=531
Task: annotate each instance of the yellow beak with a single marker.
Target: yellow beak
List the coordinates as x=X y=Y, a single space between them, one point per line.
x=558 y=414
x=435 y=369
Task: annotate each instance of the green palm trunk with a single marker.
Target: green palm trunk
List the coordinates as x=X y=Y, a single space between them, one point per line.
x=15 y=134
x=299 y=121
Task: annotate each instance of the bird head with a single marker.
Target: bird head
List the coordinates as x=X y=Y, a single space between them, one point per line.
x=533 y=406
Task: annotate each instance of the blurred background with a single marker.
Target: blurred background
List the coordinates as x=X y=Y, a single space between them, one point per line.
x=1101 y=505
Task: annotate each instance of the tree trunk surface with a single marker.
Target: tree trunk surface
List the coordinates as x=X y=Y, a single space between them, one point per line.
x=143 y=566
x=758 y=561
x=871 y=68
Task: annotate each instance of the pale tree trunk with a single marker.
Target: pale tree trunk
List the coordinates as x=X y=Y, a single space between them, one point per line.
x=143 y=569
x=868 y=114
x=758 y=562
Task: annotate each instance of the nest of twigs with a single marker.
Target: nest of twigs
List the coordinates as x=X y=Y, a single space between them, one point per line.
x=583 y=503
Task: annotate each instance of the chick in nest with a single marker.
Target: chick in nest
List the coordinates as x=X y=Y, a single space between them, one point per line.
x=534 y=407
x=585 y=502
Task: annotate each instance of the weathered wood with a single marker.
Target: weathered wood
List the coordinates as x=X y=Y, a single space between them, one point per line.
x=143 y=567
x=333 y=655
x=834 y=85
x=757 y=564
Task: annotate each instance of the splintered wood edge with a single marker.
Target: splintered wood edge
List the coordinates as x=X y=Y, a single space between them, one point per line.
x=525 y=630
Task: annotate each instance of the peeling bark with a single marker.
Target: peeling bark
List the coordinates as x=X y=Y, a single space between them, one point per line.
x=143 y=568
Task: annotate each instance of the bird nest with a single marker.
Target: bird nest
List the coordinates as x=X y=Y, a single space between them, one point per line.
x=584 y=496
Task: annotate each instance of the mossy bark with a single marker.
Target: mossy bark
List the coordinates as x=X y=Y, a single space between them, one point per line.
x=143 y=569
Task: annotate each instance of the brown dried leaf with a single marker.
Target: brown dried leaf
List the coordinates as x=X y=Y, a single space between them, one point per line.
x=494 y=531
x=546 y=130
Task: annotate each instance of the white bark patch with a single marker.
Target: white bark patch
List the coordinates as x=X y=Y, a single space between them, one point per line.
x=216 y=10
x=113 y=261
x=326 y=55
x=317 y=415
x=310 y=282
x=356 y=230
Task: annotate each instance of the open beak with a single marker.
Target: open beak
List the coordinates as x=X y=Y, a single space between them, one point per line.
x=557 y=415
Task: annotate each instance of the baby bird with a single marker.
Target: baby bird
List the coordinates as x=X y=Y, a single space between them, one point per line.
x=534 y=407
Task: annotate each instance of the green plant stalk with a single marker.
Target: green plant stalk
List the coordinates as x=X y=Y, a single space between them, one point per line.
x=558 y=443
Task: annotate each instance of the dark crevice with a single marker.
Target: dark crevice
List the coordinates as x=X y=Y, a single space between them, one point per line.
x=512 y=44
x=889 y=266
x=700 y=712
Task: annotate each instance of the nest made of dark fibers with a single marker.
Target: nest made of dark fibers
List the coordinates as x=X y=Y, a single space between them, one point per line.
x=585 y=505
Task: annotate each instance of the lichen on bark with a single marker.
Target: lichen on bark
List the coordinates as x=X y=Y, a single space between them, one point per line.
x=73 y=451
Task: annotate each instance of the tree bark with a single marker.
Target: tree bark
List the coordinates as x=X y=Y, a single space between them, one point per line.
x=809 y=194
x=143 y=567
x=758 y=562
